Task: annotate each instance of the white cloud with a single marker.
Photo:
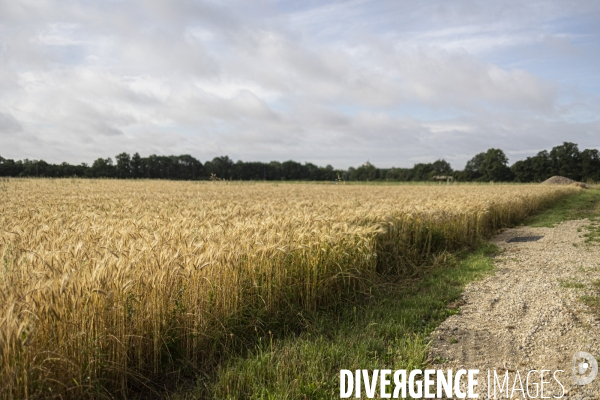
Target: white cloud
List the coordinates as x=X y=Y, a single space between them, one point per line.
x=59 y=34
x=339 y=83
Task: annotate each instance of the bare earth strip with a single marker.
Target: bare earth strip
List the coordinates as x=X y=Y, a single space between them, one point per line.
x=528 y=314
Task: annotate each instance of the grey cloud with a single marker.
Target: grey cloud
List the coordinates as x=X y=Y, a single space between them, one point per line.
x=9 y=124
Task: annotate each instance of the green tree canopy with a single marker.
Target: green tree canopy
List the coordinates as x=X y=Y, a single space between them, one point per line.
x=489 y=166
x=566 y=161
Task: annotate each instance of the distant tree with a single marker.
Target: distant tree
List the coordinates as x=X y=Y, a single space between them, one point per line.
x=292 y=171
x=151 y=167
x=136 y=166
x=246 y=170
x=313 y=173
x=522 y=170
x=472 y=170
x=399 y=174
x=422 y=172
x=9 y=167
x=566 y=161
x=328 y=173
x=103 y=168
x=533 y=169
x=36 y=168
x=159 y=167
x=442 y=167
x=495 y=167
x=186 y=167
x=366 y=172
x=425 y=171
x=223 y=167
x=348 y=175
x=541 y=166
x=489 y=166
x=123 y=165
x=590 y=165
x=274 y=171
x=65 y=169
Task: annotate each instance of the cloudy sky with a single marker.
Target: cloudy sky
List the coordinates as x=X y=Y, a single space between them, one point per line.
x=330 y=82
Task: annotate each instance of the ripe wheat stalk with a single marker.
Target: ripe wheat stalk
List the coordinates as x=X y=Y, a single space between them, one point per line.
x=106 y=284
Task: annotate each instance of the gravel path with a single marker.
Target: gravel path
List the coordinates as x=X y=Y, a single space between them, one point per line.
x=528 y=314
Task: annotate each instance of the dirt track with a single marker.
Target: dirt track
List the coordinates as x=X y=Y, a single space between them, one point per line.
x=528 y=314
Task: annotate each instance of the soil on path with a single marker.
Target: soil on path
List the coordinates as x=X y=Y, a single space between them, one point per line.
x=528 y=315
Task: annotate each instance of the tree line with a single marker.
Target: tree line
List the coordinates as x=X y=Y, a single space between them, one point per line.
x=565 y=160
x=184 y=167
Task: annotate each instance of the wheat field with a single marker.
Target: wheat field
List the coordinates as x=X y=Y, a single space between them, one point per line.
x=107 y=285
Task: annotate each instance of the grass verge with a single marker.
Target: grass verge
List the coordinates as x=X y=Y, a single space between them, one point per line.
x=585 y=204
x=389 y=331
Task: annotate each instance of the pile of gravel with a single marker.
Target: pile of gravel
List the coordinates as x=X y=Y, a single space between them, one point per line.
x=561 y=180
x=558 y=180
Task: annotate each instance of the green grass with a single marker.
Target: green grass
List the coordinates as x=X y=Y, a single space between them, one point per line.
x=593 y=234
x=593 y=300
x=584 y=204
x=388 y=331
x=571 y=284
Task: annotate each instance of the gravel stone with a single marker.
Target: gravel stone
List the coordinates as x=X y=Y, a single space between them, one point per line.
x=522 y=318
